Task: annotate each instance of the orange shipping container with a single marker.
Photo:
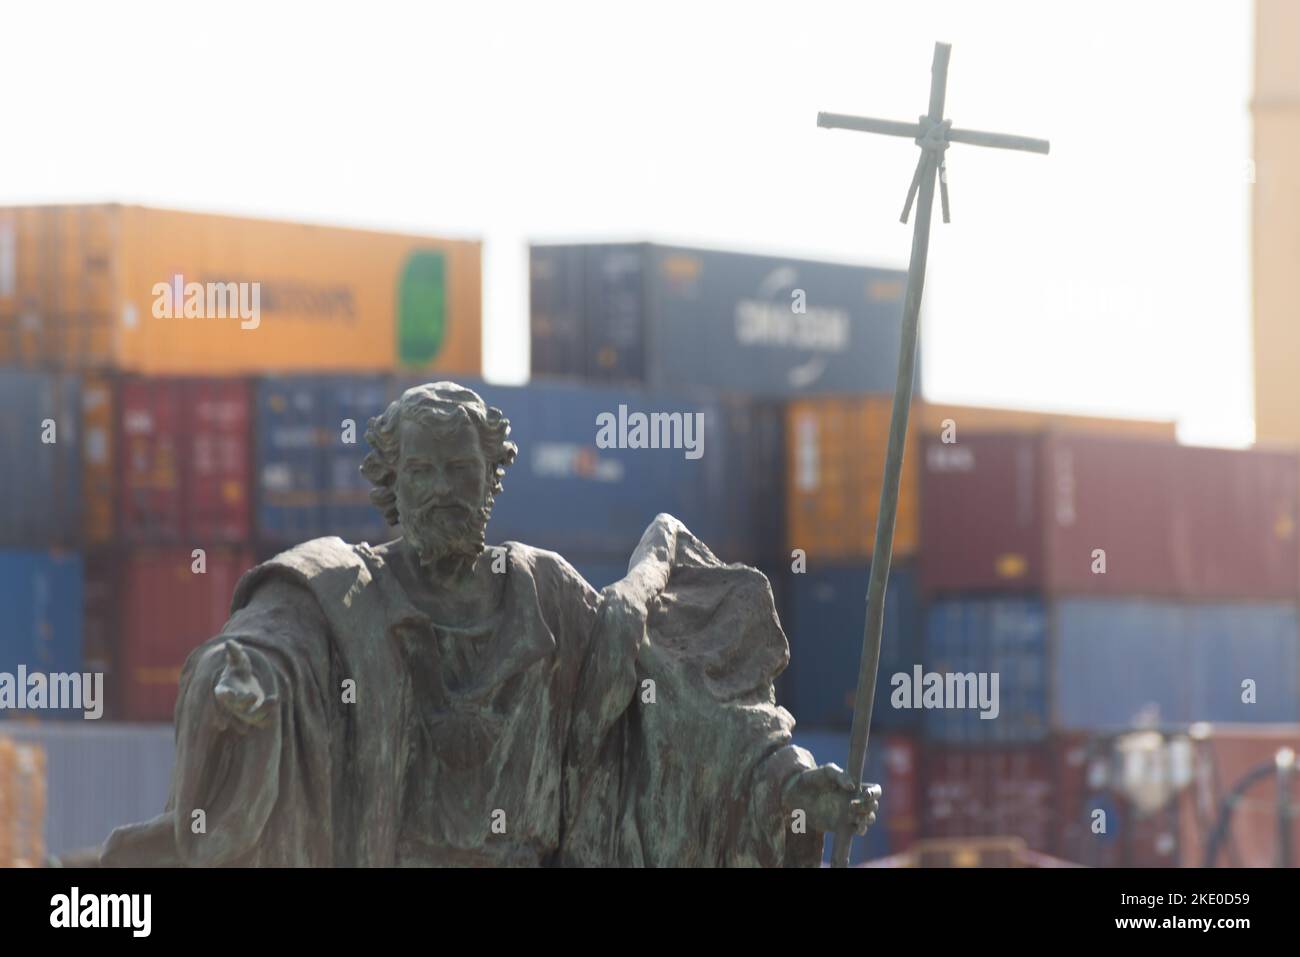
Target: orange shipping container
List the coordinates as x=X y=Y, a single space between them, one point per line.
x=151 y=291
x=835 y=460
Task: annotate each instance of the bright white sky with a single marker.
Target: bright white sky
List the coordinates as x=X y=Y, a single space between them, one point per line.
x=1110 y=277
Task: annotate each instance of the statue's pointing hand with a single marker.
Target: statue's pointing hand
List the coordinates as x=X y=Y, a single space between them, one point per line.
x=239 y=693
x=830 y=798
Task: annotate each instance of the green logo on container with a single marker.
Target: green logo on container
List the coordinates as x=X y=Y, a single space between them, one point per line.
x=422 y=308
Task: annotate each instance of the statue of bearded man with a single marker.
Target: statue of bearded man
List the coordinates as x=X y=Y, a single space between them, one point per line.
x=437 y=702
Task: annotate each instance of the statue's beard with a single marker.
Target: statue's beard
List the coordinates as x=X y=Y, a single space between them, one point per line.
x=440 y=533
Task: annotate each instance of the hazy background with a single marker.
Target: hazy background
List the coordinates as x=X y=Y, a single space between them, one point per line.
x=1110 y=277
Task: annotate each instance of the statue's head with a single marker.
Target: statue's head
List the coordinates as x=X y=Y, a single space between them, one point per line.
x=439 y=455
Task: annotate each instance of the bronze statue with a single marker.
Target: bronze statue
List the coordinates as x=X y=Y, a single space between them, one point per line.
x=437 y=702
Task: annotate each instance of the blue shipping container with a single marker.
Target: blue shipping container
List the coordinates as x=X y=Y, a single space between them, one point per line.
x=671 y=317
x=40 y=459
x=41 y=595
x=827 y=610
x=558 y=333
x=99 y=777
x=309 y=480
x=1117 y=661
x=1003 y=636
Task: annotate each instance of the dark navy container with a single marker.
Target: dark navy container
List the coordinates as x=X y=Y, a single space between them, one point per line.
x=41 y=594
x=41 y=504
x=827 y=608
x=309 y=482
x=1006 y=636
x=558 y=310
x=669 y=317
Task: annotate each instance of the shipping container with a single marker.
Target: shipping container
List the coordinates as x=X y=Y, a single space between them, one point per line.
x=835 y=466
x=40 y=459
x=1224 y=757
x=827 y=614
x=957 y=421
x=98 y=458
x=168 y=602
x=892 y=763
x=100 y=776
x=185 y=461
x=1075 y=514
x=557 y=309
x=669 y=317
x=310 y=444
x=1006 y=637
x=161 y=292
x=1117 y=662
x=1093 y=664
x=835 y=463
x=989 y=792
x=41 y=595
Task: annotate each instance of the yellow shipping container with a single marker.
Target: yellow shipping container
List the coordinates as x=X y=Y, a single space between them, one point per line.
x=835 y=461
x=159 y=292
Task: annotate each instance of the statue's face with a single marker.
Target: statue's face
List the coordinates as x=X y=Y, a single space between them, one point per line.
x=442 y=489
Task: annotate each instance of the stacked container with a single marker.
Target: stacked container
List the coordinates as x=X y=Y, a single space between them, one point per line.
x=1111 y=584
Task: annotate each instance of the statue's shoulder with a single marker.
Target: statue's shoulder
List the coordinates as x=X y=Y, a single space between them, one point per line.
x=546 y=567
x=327 y=567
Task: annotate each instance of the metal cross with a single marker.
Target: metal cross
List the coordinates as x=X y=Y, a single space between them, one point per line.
x=933 y=134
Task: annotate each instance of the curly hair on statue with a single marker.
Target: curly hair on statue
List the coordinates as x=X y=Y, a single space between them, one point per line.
x=439 y=404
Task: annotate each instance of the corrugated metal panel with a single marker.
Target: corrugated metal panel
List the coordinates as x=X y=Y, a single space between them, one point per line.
x=1003 y=636
x=167 y=609
x=981 y=526
x=989 y=792
x=827 y=612
x=59 y=285
x=329 y=299
x=835 y=464
x=891 y=763
x=40 y=459
x=769 y=325
x=557 y=307
x=615 y=290
x=41 y=596
x=99 y=777
x=1173 y=520
x=671 y=317
x=98 y=451
x=1011 y=511
x=310 y=444
x=1116 y=661
x=185 y=460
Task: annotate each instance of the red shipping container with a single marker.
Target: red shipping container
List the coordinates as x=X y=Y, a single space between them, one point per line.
x=185 y=461
x=1222 y=757
x=165 y=609
x=1044 y=513
x=989 y=792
